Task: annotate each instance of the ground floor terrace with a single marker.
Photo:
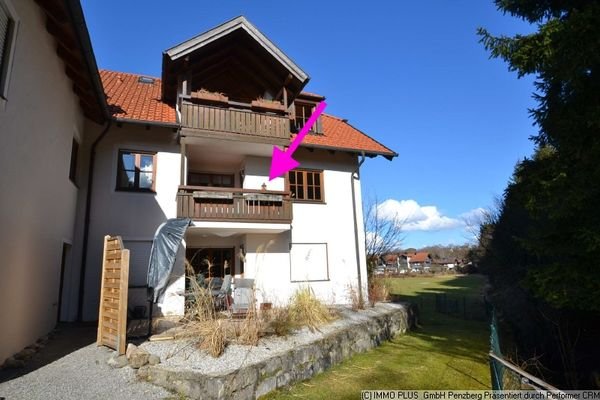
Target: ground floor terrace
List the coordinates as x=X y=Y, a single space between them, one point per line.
x=271 y=256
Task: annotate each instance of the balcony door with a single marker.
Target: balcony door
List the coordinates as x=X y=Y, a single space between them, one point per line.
x=212 y=262
x=210 y=179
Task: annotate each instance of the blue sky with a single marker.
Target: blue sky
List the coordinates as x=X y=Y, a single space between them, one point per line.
x=410 y=74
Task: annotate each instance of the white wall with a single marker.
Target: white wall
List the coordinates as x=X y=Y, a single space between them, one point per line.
x=257 y=172
x=267 y=256
x=134 y=216
x=268 y=263
x=37 y=200
x=333 y=223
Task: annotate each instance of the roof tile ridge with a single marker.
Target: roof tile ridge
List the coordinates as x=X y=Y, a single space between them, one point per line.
x=134 y=74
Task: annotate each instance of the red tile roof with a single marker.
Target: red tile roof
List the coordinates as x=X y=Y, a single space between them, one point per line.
x=338 y=134
x=390 y=258
x=129 y=99
x=417 y=257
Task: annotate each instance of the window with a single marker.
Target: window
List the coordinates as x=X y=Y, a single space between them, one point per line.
x=136 y=171
x=306 y=185
x=207 y=179
x=303 y=113
x=211 y=262
x=7 y=35
x=73 y=166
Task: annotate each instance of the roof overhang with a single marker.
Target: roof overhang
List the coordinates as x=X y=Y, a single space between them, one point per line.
x=65 y=21
x=366 y=153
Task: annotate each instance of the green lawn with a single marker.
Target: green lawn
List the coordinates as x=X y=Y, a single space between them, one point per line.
x=443 y=353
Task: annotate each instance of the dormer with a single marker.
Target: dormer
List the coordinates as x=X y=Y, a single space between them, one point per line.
x=301 y=110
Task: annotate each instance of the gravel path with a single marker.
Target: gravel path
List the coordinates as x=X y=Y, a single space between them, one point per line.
x=82 y=374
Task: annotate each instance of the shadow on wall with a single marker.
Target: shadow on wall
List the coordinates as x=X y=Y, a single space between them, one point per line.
x=135 y=217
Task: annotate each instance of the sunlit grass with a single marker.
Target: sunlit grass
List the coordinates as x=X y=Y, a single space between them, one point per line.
x=443 y=353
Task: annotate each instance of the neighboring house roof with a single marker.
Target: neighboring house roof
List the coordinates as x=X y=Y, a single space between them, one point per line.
x=390 y=258
x=65 y=21
x=418 y=257
x=131 y=100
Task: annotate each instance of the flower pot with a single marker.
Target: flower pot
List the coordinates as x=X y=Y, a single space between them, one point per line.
x=268 y=105
x=211 y=97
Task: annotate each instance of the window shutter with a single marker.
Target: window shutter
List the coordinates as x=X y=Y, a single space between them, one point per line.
x=4 y=25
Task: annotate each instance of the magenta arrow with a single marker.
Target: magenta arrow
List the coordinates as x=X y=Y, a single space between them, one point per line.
x=282 y=161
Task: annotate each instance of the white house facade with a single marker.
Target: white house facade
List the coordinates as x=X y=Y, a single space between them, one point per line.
x=195 y=143
x=44 y=110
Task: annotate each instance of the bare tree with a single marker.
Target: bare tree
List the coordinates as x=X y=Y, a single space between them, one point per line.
x=475 y=225
x=383 y=233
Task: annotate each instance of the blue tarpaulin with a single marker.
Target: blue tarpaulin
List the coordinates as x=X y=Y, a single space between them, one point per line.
x=167 y=240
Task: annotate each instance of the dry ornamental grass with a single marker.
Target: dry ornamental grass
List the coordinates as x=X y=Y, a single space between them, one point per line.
x=307 y=310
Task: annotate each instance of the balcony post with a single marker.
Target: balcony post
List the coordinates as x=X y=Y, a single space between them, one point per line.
x=183 y=173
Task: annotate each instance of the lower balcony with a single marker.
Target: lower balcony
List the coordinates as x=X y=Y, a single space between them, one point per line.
x=202 y=203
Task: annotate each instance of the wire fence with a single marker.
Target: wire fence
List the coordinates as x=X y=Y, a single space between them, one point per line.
x=464 y=307
x=506 y=375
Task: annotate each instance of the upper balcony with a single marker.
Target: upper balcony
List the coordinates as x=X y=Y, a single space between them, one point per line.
x=259 y=121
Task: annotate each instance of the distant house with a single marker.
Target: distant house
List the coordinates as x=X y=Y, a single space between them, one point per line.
x=392 y=260
x=448 y=263
x=417 y=261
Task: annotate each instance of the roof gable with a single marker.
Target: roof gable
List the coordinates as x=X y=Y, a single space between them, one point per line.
x=227 y=28
x=237 y=46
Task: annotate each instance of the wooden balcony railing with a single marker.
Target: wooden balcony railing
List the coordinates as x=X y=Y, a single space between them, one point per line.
x=217 y=119
x=233 y=204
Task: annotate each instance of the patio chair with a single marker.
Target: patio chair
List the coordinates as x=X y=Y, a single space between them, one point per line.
x=242 y=295
x=221 y=296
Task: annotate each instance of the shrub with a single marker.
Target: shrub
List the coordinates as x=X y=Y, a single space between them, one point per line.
x=280 y=321
x=357 y=302
x=306 y=310
x=378 y=291
x=199 y=301
x=213 y=336
x=251 y=326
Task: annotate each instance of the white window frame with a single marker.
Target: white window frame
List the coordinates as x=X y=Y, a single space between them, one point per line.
x=296 y=268
x=12 y=40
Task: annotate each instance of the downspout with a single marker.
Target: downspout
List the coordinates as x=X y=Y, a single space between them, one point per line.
x=86 y=221
x=354 y=176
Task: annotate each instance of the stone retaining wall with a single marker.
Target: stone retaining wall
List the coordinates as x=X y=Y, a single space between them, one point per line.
x=297 y=364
